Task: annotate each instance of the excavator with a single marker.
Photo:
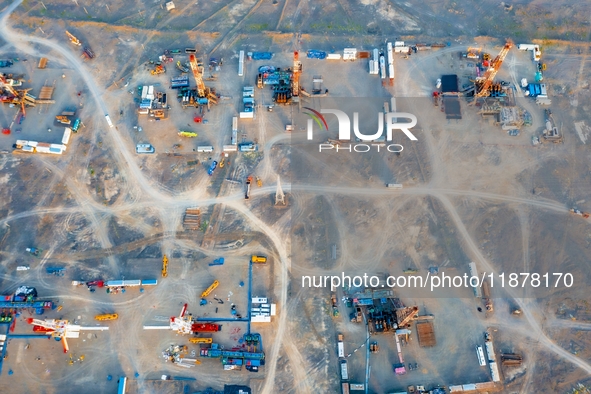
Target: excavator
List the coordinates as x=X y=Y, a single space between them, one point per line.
x=259 y=182
x=63 y=119
x=164 y=266
x=73 y=39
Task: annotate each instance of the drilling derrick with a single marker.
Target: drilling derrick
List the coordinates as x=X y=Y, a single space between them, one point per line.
x=484 y=83
x=297 y=69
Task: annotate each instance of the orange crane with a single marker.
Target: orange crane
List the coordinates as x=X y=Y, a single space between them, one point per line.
x=297 y=68
x=484 y=83
x=73 y=39
x=198 y=74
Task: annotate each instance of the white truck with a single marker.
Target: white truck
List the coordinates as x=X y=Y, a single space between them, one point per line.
x=344 y=371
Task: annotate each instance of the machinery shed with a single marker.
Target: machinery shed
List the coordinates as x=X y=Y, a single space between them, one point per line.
x=426 y=334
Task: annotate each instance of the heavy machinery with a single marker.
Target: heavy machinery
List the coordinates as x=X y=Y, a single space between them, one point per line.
x=335 y=306
x=159 y=69
x=202 y=91
x=575 y=211
x=189 y=134
x=107 y=316
x=184 y=324
x=181 y=68
x=211 y=288
x=247 y=192
x=34 y=251
x=63 y=119
x=222 y=162
x=73 y=39
x=484 y=83
x=259 y=182
x=258 y=259
x=60 y=329
x=201 y=340
x=164 y=266
x=297 y=69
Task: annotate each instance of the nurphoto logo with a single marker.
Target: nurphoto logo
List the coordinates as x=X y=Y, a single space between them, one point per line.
x=392 y=123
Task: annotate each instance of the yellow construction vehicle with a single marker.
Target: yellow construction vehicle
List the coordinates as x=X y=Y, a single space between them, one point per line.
x=222 y=162
x=211 y=288
x=63 y=119
x=259 y=182
x=201 y=340
x=159 y=69
x=73 y=39
x=164 y=266
x=258 y=259
x=107 y=316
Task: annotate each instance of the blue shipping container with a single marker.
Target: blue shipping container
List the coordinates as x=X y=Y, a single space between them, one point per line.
x=262 y=56
x=314 y=54
x=149 y=282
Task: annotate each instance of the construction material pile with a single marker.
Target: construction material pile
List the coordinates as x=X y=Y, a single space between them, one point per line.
x=176 y=355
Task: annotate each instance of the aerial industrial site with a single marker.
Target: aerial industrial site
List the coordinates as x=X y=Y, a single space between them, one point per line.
x=195 y=198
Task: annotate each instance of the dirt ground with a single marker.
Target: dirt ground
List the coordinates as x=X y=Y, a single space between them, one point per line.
x=471 y=192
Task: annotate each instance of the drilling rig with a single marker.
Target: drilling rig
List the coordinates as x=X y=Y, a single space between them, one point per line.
x=297 y=69
x=484 y=83
x=203 y=92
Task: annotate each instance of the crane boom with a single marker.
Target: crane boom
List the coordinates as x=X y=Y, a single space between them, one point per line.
x=198 y=74
x=484 y=83
x=73 y=39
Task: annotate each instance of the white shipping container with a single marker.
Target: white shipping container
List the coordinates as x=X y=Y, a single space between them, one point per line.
x=389 y=53
x=341 y=349
x=43 y=149
x=398 y=44
x=333 y=56
x=240 y=69
x=28 y=148
x=246 y=115
x=234 y=123
x=67 y=135
x=494 y=371
x=376 y=54
x=391 y=71
x=469 y=387
x=144 y=92
x=230 y=148
x=401 y=49
x=480 y=355
x=526 y=47
x=490 y=351
x=58 y=146
x=456 y=389
x=205 y=149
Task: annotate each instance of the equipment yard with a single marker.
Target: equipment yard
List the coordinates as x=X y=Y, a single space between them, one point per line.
x=181 y=192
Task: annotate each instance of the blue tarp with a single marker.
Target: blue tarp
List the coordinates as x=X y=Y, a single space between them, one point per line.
x=314 y=54
x=266 y=69
x=262 y=55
